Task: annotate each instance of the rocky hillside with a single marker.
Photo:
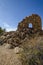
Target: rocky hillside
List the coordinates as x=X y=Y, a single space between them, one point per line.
x=30 y=52
x=22 y=47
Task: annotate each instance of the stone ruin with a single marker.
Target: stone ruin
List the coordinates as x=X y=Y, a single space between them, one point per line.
x=34 y=19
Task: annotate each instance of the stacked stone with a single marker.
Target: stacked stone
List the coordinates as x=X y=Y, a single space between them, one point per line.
x=34 y=19
x=37 y=22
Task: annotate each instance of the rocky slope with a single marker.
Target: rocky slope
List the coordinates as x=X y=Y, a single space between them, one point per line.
x=21 y=47
x=32 y=53
x=16 y=38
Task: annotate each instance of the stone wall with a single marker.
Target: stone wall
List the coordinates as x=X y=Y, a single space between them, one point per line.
x=34 y=19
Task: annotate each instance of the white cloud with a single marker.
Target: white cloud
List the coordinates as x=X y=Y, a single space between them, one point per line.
x=8 y=27
x=11 y=29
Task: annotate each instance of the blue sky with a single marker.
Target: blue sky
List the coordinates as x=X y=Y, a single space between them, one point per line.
x=13 y=11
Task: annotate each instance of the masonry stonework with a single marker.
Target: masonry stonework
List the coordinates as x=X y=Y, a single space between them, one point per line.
x=34 y=19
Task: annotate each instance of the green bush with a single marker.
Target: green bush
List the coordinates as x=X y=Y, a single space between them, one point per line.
x=2 y=31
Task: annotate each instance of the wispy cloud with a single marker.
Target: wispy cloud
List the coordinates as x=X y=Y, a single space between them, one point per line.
x=11 y=29
x=8 y=27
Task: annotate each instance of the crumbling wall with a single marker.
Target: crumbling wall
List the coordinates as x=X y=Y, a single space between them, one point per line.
x=34 y=19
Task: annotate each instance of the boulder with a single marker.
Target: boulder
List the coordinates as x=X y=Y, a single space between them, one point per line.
x=18 y=50
x=8 y=46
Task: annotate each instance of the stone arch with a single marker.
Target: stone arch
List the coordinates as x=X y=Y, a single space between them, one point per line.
x=34 y=19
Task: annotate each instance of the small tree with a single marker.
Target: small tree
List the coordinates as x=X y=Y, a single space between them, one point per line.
x=2 y=31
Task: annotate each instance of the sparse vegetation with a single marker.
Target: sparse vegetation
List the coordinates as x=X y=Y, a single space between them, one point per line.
x=33 y=53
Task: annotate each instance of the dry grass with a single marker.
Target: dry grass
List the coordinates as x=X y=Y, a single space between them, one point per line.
x=33 y=52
